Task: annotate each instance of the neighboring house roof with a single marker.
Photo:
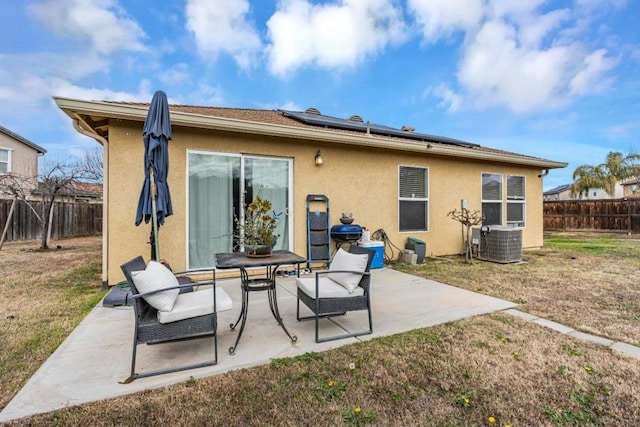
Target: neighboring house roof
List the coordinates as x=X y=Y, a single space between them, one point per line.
x=558 y=190
x=25 y=141
x=93 y=116
x=630 y=181
x=86 y=188
x=80 y=189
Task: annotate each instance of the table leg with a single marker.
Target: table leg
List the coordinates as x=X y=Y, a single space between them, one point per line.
x=244 y=311
x=273 y=303
x=268 y=284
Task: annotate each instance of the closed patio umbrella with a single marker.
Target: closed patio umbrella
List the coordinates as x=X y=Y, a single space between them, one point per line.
x=154 y=203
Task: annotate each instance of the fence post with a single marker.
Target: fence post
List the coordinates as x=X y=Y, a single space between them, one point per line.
x=628 y=216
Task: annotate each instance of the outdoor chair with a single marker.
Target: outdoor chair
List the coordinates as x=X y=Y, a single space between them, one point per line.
x=344 y=287
x=164 y=314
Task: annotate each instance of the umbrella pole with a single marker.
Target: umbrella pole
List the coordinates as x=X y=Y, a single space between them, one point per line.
x=154 y=215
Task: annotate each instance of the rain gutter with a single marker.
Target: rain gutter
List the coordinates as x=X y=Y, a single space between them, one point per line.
x=82 y=127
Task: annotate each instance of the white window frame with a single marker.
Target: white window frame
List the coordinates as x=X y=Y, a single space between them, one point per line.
x=514 y=200
x=414 y=199
x=8 y=162
x=492 y=201
x=242 y=157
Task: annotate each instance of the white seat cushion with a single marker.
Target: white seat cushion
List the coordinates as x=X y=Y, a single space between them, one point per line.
x=328 y=288
x=156 y=276
x=193 y=304
x=346 y=261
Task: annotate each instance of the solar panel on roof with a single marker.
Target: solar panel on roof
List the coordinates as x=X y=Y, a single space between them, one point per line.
x=344 y=124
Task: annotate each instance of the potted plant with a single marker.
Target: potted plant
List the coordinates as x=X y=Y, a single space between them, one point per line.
x=258 y=232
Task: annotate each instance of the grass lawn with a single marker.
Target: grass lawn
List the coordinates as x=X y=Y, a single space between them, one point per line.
x=486 y=370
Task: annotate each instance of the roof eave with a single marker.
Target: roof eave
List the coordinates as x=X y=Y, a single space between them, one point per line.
x=22 y=139
x=136 y=113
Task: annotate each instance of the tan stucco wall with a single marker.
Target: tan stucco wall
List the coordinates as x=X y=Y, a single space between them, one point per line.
x=24 y=159
x=363 y=183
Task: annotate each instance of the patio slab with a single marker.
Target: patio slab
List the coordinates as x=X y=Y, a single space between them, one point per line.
x=89 y=364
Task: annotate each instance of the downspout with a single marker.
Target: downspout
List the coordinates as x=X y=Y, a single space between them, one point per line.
x=544 y=173
x=78 y=126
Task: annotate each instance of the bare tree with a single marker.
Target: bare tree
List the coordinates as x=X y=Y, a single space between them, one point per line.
x=56 y=179
x=18 y=187
x=468 y=219
x=91 y=165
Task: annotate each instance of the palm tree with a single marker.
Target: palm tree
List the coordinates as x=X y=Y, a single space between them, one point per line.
x=606 y=175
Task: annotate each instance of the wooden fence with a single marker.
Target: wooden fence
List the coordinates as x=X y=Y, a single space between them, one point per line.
x=69 y=220
x=597 y=215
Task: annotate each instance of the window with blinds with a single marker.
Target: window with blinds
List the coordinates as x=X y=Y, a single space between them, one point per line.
x=515 y=200
x=413 y=198
x=492 y=198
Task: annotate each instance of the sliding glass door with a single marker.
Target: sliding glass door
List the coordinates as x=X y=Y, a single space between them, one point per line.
x=218 y=186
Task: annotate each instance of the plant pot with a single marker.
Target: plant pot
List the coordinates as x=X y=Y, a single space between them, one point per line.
x=258 y=251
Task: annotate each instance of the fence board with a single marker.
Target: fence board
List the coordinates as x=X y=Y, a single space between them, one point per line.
x=69 y=220
x=606 y=215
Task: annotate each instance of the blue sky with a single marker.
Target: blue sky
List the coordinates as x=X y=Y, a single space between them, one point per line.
x=553 y=79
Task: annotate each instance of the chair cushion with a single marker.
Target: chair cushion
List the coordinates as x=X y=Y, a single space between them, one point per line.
x=344 y=260
x=194 y=304
x=156 y=276
x=328 y=288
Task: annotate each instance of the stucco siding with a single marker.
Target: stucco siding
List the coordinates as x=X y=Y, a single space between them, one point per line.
x=363 y=182
x=24 y=159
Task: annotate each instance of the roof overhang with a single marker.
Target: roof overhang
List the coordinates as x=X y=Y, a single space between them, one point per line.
x=95 y=114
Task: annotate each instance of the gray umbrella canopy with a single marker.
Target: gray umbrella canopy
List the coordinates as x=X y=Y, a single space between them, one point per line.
x=154 y=203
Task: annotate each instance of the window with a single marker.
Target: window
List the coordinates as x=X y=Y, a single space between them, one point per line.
x=492 y=198
x=515 y=200
x=414 y=198
x=216 y=183
x=5 y=160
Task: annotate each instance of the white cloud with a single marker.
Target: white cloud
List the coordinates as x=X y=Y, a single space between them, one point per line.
x=440 y=18
x=589 y=78
x=64 y=88
x=178 y=74
x=290 y=106
x=222 y=27
x=331 y=35
x=517 y=57
x=495 y=70
x=29 y=80
x=103 y=22
x=450 y=100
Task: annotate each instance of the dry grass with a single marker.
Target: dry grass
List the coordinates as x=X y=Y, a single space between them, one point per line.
x=587 y=281
x=459 y=374
x=43 y=297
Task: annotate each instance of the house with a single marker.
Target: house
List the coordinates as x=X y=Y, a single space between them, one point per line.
x=18 y=155
x=563 y=192
x=397 y=180
x=631 y=187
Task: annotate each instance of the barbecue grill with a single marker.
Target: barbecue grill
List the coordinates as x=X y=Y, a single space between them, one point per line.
x=346 y=233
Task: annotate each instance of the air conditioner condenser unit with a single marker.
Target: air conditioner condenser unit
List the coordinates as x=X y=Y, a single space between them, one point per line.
x=498 y=244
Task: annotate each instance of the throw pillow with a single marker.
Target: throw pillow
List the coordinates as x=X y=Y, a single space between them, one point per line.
x=344 y=260
x=156 y=276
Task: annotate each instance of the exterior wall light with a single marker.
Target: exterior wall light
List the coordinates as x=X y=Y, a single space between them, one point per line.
x=319 y=159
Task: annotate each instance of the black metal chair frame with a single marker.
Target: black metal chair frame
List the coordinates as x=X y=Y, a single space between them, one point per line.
x=148 y=330
x=328 y=307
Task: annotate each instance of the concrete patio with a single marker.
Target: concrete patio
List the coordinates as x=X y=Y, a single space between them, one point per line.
x=89 y=364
